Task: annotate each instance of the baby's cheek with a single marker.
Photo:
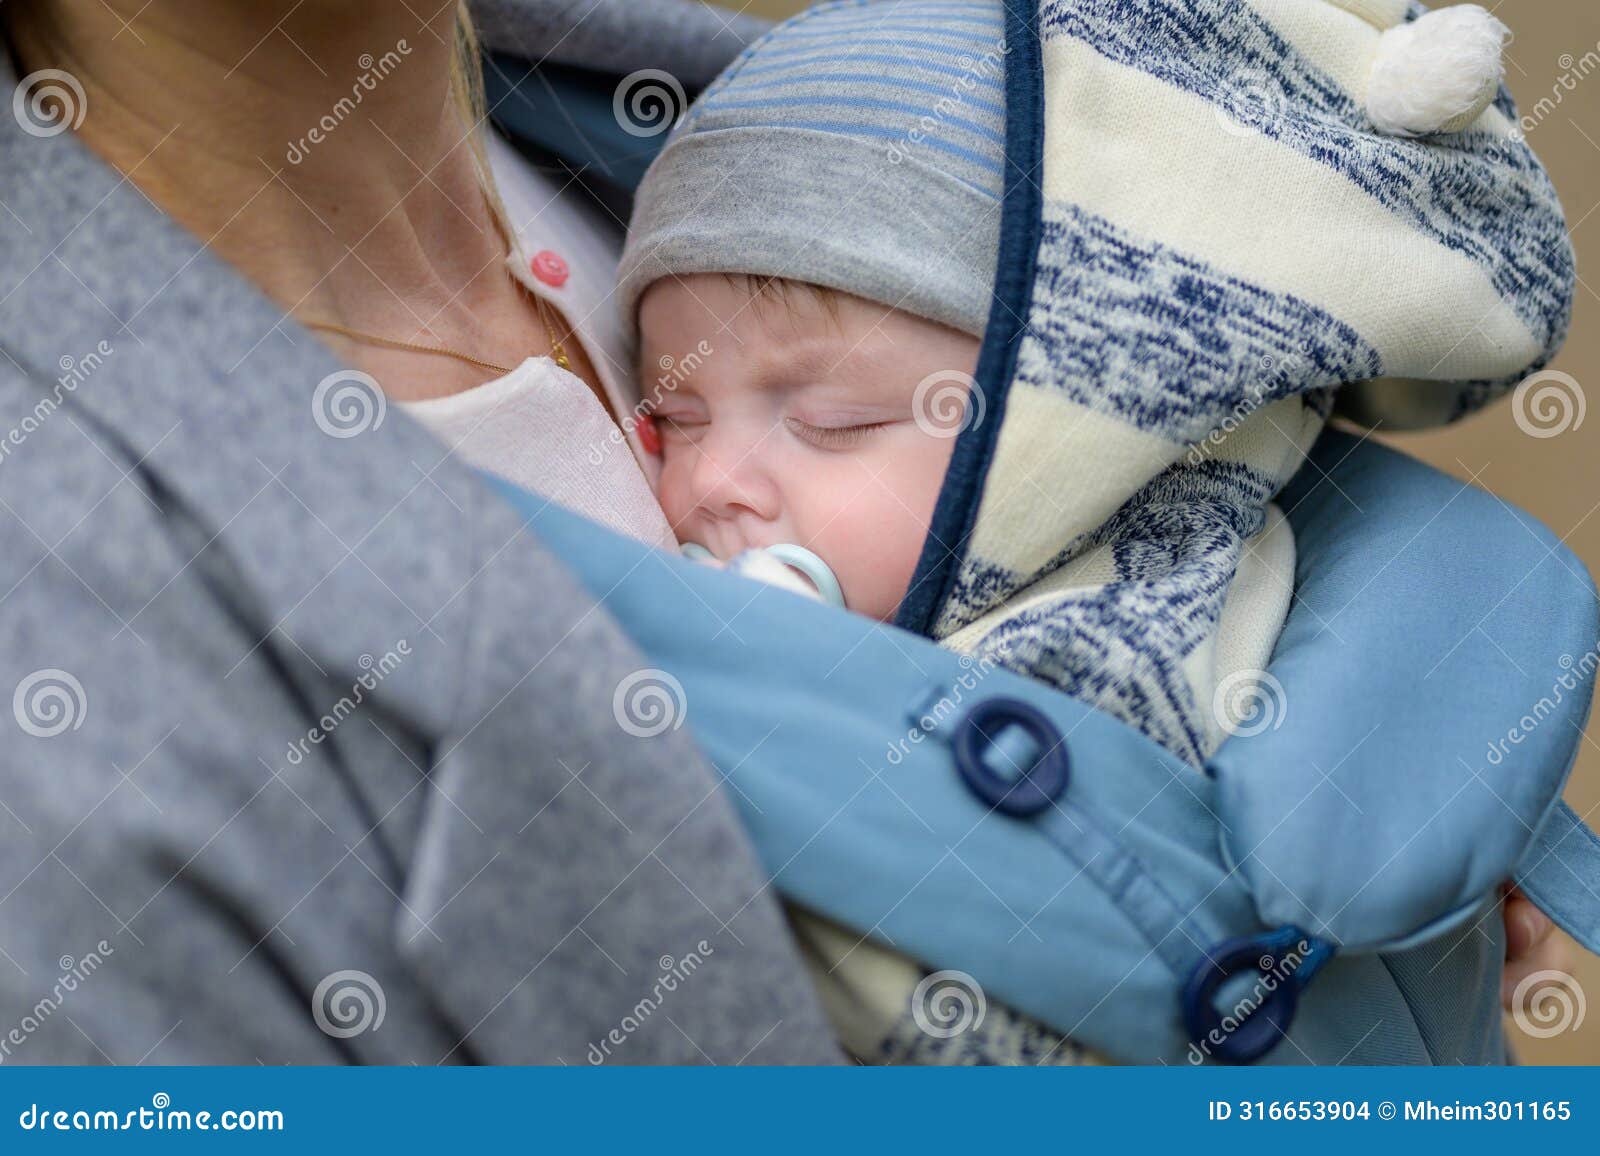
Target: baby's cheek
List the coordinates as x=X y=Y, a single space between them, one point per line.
x=670 y=485
x=883 y=527
x=873 y=549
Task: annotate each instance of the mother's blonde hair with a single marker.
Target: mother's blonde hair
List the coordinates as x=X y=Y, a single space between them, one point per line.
x=466 y=92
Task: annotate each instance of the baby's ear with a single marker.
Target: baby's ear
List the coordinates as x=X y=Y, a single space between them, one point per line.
x=1434 y=74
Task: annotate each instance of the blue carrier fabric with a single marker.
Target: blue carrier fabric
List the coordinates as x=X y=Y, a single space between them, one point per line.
x=1344 y=864
x=1324 y=890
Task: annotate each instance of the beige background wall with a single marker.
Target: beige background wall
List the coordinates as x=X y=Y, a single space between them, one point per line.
x=1557 y=478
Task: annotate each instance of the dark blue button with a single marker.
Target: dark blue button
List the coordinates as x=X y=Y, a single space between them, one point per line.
x=1259 y=1015
x=982 y=733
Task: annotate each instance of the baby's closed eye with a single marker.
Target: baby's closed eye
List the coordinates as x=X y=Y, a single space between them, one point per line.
x=835 y=434
x=681 y=420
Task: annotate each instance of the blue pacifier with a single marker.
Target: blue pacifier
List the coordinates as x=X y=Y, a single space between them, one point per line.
x=812 y=568
x=797 y=558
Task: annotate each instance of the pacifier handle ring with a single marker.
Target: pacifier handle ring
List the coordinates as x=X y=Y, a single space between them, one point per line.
x=815 y=570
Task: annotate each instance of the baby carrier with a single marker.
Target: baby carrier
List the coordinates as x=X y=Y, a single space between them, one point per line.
x=1326 y=889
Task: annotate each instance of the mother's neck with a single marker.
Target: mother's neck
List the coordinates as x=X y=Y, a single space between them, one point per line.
x=245 y=120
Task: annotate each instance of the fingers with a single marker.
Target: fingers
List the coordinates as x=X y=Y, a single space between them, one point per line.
x=1526 y=927
x=1540 y=951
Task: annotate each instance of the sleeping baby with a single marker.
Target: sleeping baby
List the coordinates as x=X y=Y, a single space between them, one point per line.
x=1093 y=506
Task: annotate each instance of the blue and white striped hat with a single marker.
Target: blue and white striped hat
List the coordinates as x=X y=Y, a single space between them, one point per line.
x=858 y=146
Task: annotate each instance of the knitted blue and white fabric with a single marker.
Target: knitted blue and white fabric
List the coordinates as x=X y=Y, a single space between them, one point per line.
x=1221 y=248
x=1225 y=241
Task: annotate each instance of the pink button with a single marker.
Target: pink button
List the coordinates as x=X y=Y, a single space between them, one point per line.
x=549 y=268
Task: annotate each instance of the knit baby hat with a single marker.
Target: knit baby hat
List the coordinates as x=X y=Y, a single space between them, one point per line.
x=859 y=146
x=1249 y=211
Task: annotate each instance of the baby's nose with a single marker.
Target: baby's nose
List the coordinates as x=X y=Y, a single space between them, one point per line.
x=731 y=481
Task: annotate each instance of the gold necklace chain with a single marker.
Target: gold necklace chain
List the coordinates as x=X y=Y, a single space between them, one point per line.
x=558 y=352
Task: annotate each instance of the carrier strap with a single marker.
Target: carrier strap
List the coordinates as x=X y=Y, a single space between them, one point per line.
x=1561 y=873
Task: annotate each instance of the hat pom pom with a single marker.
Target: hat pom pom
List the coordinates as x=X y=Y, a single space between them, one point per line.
x=1436 y=73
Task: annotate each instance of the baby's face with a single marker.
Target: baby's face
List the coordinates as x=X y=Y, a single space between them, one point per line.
x=800 y=425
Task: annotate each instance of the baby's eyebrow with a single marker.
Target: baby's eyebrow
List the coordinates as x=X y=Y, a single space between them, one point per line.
x=796 y=361
x=814 y=359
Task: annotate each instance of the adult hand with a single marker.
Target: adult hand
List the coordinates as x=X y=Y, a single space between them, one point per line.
x=1530 y=946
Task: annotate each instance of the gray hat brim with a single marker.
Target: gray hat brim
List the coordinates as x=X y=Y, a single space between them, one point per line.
x=854 y=215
